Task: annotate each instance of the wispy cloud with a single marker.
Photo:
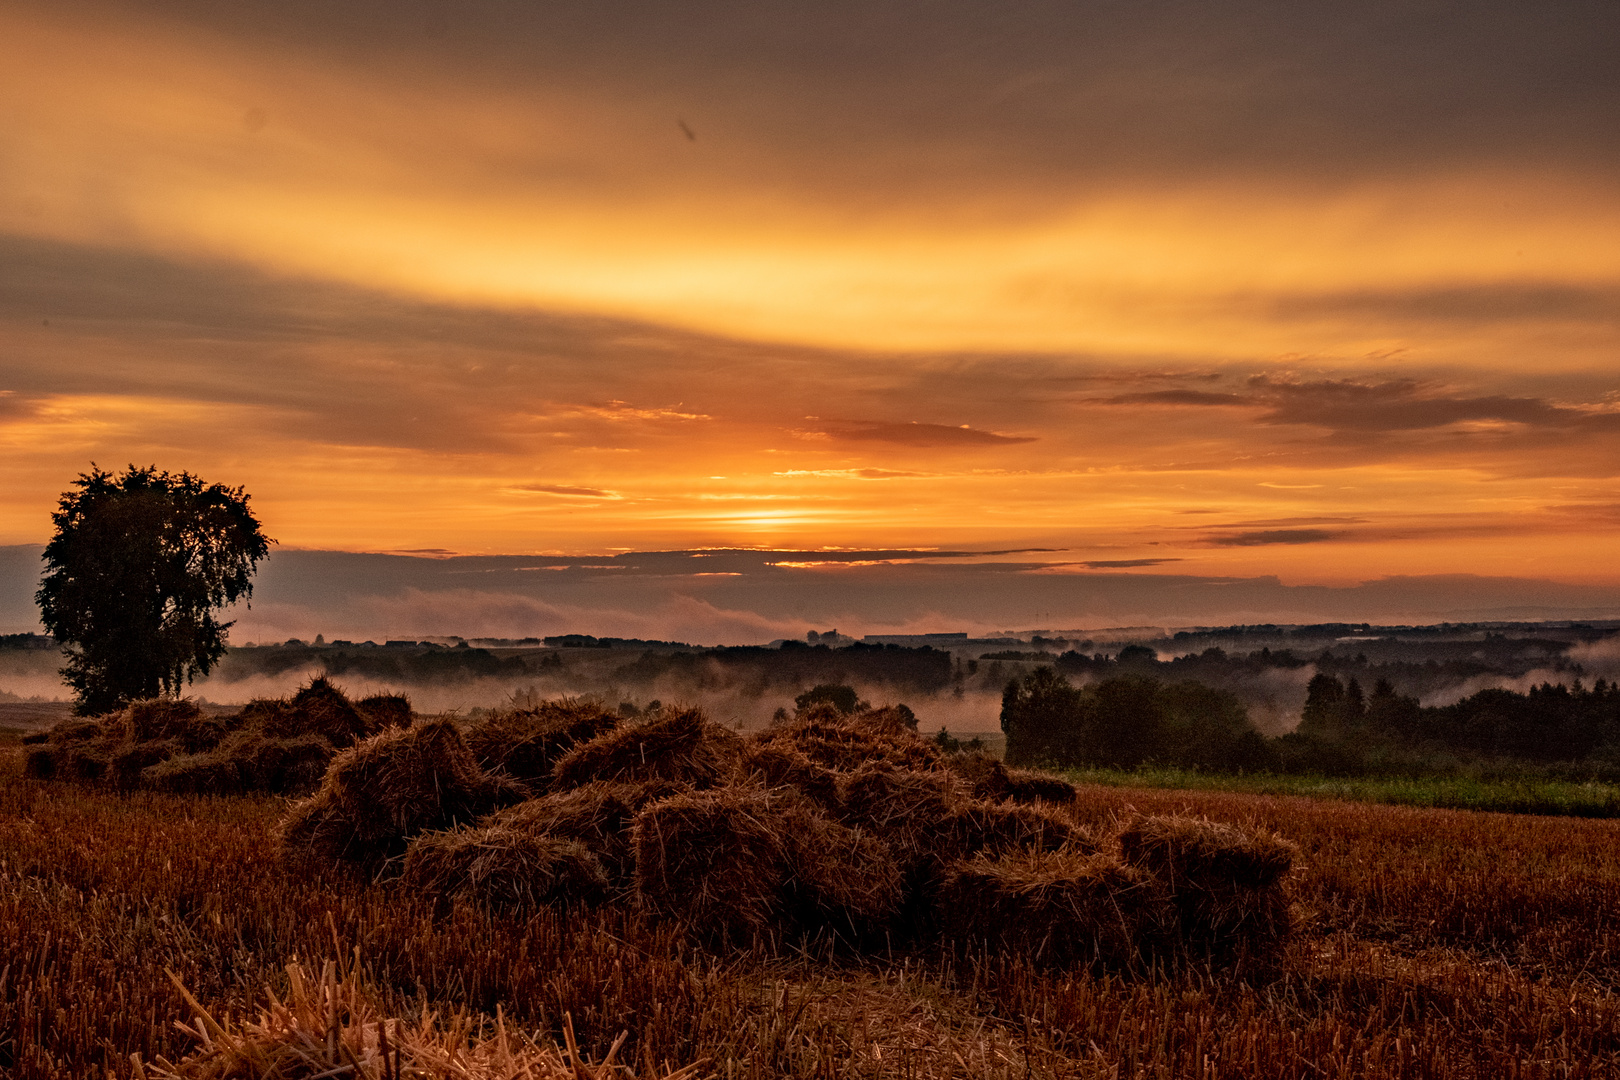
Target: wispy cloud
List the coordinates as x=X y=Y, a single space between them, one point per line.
x=911 y=433
x=566 y=490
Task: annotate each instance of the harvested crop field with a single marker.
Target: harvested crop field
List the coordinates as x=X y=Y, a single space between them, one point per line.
x=1429 y=944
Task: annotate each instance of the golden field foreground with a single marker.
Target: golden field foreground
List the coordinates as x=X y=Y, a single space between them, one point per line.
x=1433 y=944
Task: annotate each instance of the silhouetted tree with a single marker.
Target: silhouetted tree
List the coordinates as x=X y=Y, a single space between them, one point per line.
x=137 y=567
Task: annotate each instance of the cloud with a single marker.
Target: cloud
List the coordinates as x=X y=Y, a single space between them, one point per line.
x=1273 y=536
x=913 y=433
x=1178 y=397
x=853 y=474
x=563 y=489
x=1353 y=405
x=1121 y=564
x=1474 y=304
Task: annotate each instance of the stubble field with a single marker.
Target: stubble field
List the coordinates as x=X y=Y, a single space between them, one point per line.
x=1434 y=944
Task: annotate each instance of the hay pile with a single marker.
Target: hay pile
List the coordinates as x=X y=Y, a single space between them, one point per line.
x=1058 y=907
x=526 y=744
x=167 y=744
x=502 y=868
x=677 y=744
x=990 y=779
x=849 y=826
x=333 y=1025
x=1222 y=880
x=379 y=794
x=841 y=741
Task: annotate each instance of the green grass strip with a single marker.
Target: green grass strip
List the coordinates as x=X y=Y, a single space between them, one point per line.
x=1564 y=798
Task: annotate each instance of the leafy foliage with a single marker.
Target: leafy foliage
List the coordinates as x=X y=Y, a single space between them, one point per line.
x=137 y=567
x=1125 y=721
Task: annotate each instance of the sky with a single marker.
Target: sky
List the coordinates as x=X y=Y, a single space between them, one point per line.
x=1263 y=297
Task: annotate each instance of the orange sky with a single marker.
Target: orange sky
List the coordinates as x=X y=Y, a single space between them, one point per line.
x=1327 y=293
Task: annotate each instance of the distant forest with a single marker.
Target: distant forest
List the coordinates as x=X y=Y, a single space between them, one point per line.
x=1128 y=720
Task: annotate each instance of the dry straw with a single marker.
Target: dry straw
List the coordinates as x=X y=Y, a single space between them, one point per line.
x=389 y=788
x=989 y=779
x=1054 y=907
x=836 y=741
x=1225 y=881
x=775 y=764
x=599 y=815
x=526 y=743
x=501 y=868
x=717 y=860
x=332 y=1026
x=679 y=745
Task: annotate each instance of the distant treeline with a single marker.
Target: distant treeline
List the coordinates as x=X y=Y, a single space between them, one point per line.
x=1131 y=720
x=753 y=669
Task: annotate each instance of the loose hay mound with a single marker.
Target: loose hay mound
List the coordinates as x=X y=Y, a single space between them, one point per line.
x=984 y=773
x=317 y=709
x=1055 y=907
x=990 y=779
x=378 y=794
x=247 y=761
x=835 y=741
x=385 y=711
x=1225 y=881
x=527 y=743
x=717 y=860
x=841 y=879
x=40 y=764
x=677 y=745
x=1028 y=786
x=975 y=826
x=599 y=816
x=161 y=719
x=908 y=810
x=782 y=765
x=502 y=868
x=129 y=764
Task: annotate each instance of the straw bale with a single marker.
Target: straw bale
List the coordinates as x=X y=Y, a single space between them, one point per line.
x=379 y=793
x=717 y=860
x=840 y=878
x=679 y=744
x=975 y=826
x=317 y=709
x=207 y=773
x=158 y=719
x=41 y=764
x=85 y=761
x=246 y=761
x=890 y=719
x=990 y=779
x=36 y=738
x=783 y=765
x=69 y=731
x=382 y=711
x=1029 y=786
x=526 y=743
x=1226 y=882
x=845 y=743
x=504 y=869
x=599 y=815
x=1198 y=851
x=985 y=775
x=1058 y=908
x=130 y=762
x=908 y=810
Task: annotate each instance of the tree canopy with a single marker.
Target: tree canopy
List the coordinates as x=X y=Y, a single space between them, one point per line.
x=136 y=569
